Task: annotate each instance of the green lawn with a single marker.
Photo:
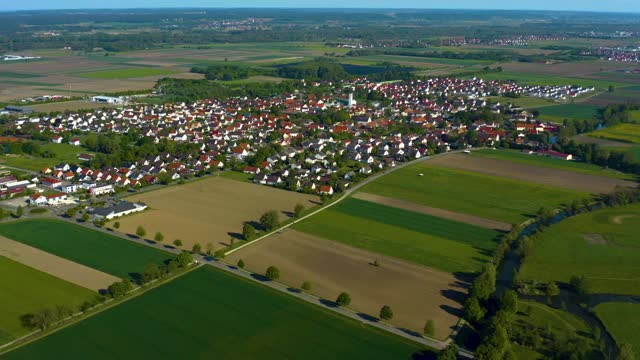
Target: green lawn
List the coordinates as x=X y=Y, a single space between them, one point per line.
x=544 y=161
x=526 y=102
x=126 y=73
x=610 y=264
x=236 y=175
x=622 y=321
x=426 y=240
x=208 y=314
x=542 y=79
x=63 y=153
x=629 y=133
x=88 y=247
x=471 y=193
x=25 y=290
x=557 y=113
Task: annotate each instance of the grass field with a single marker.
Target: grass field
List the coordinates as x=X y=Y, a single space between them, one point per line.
x=580 y=167
x=601 y=245
x=207 y=313
x=25 y=290
x=426 y=240
x=471 y=193
x=622 y=321
x=126 y=73
x=545 y=79
x=91 y=248
x=562 y=325
x=557 y=113
x=63 y=153
x=526 y=102
x=629 y=133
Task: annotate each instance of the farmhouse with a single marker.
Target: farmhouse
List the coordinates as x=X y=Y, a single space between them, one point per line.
x=120 y=209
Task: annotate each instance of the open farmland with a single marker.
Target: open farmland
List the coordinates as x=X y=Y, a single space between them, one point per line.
x=549 y=162
x=91 y=248
x=126 y=73
x=423 y=239
x=25 y=290
x=211 y=210
x=628 y=133
x=209 y=313
x=546 y=176
x=530 y=78
x=602 y=246
x=415 y=293
x=63 y=153
x=622 y=321
x=557 y=113
x=56 y=266
x=73 y=105
x=469 y=192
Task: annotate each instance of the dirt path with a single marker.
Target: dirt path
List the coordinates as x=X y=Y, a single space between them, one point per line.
x=446 y=214
x=534 y=174
x=56 y=266
x=415 y=293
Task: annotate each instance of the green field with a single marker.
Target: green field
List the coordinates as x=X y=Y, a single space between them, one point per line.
x=63 y=153
x=629 y=133
x=622 y=321
x=426 y=240
x=88 y=247
x=18 y=75
x=25 y=290
x=568 y=248
x=526 y=102
x=126 y=73
x=544 y=161
x=557 y=113
x=542 y=79
x=209 y=314
x=561 y=324
x=470 y=193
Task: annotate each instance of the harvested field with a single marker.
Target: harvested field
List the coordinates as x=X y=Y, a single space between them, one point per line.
x=71 y=106
x=585 y=139
x=446 y=214
x=547 y=176
x=415 y=293
x=212 y=210
x=56 y=266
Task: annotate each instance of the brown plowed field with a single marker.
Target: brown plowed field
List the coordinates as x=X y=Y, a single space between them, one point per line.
x=415 y=293
x=209 y=211
x=547 y=176
x=446 y=214
x=56 y=266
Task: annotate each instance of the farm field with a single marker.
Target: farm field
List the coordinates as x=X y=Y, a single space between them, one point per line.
x=246 y=321
x=469 y=192
x=25 y=290
x=126 y=73
x=544 y=161
x=601 y=245
x=103 y=252
x=443 y=244
x=622 y=320
x=211 y=210
x=531 y=78
x=56 y=266
x=629 y=133
x=557 y=113
x=526 y=102
x=73 y=105
x=546 y=176
x=415 y=293
x=63 y=153
x=562 y=325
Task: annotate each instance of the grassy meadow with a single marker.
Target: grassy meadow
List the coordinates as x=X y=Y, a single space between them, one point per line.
x=471 y=193
x=423 y=239
x=601 y=245
x=25 y=290
x=622 y=321
x=557 y=113
x=104 y=252
x=125 y=73
x=63 y=153
x=629 y=133
x=208 y=313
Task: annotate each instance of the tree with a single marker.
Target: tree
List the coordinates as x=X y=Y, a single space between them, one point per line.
x=116 y=225
x=241 y=264
x=158 y=237
x=386 y=313
x=485 y=284
x=19 y=212
x=306 y=286
x=85 y=217
x=196 y=249
x=177 y=243
x=209 y=248
x=429 y=328
x=71 y=212
x=141 y=232
x=172 y=266
x=449 y=353
x=343 y=299
x=273 y=273
x=611 y=88
x=509 y=302
x=220 y=254
x=297 y=211
x=248 y=232
x=625 y=352
x=120 y=288
x=150 y=272
x=270 y=219
x=552 y=289
x=579 y=284
x=184 y=258
x=473 y=312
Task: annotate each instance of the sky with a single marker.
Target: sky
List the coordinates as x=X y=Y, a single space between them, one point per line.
x=580 y=5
